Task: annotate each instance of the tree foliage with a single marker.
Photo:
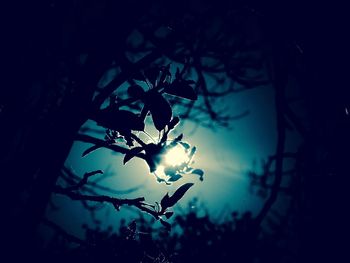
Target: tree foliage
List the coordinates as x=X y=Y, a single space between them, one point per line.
x=65 y=59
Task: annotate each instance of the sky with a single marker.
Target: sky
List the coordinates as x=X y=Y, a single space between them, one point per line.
x=225 y=155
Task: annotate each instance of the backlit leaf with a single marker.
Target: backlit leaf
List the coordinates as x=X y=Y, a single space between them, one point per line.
x=175 y=177
x=174 y=121
x=182 y=88
x=168 y=214
x=91 y=149
x=198 y=172
x=169 y=201
x=159 y=108
x=131 y=154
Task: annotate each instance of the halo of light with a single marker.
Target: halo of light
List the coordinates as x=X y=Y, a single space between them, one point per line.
x=160 y=172
x=176 y=156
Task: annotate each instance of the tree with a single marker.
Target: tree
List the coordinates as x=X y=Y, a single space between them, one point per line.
x=59 y=55
x=59 y=90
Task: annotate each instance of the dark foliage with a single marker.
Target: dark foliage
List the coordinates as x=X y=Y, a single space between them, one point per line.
x=55 y=56
x=197 y=238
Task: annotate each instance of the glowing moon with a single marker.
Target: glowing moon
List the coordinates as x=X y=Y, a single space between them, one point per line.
x=176 y=156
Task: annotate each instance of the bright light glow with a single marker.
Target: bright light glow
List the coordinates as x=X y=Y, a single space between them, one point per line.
x=160 y=172
x=176 y=156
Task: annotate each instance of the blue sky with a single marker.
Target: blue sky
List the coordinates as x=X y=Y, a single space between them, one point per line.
x=225 y=155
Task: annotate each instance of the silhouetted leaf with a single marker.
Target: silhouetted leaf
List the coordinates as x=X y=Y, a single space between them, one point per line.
x=185 y=145
x=169 y=201
x=179 y=138
x=153 y=149
x=91 y=149
x=136 y=91
x=174 y=177
x=176 y=140
x=188 y=169
x=153 y=152
x=151 y=164
x=168 y=214
x=126 y=134
x=174 y=121
x=144 y=113
x=173 y=173
x=182 y=88
x=199 y=172
x=193 y=151
x=170 y=170
x=131 y=154
x=160 y=109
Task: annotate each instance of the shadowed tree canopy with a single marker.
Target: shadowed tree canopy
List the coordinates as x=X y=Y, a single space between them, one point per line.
x=118 y=64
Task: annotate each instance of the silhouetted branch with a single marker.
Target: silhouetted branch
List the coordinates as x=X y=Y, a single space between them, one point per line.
x=83 y=181
x=90 y=185
x=280 y=80
x=104 y=144
x=116 y=202
x=123 y=76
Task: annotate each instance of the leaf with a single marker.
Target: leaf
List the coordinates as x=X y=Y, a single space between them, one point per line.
x=168 y=214
x=185 y=145
x=174 y=121
x=175 y=177
x=127 y=137
x=159 y=108
x=199 y=172
x=193 y=151
x=168 y=201
x=151 y=164
x=182 y=88
x=131 y=154
x=178 y=138
x=188 y=169
x=173 y=173
x=135 y=91
x=152 y=158
x=91 y=149
x=170 y=170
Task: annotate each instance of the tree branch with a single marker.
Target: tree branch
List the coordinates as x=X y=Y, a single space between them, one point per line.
x=70 y=177
x=83 y=181
x=123 y=76
x=116 y=202
x=280 y=81
x=113 y=147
